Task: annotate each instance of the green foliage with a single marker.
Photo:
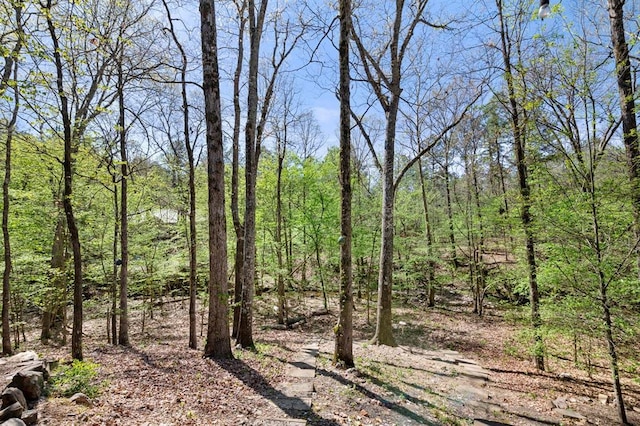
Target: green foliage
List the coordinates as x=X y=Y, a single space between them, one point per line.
x=79 y=376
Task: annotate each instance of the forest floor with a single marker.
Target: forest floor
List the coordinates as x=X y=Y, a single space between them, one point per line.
x=158 y=381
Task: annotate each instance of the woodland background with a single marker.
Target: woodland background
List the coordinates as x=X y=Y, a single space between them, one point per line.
x=498 y=151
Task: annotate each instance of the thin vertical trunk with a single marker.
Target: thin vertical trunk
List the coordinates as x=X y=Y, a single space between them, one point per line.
x=235 y=172
x=6 y=275
x=68 y=164
x=116 y=263
x=478 y=262
x=218 y=344
x=431 y=284
x=193 y=264
x=278 y=236
x=319 y=266
x=343 y=353
x=525 y=191
x=447 y=188
x=123 y=333
x=628 y=109
x=604 y=303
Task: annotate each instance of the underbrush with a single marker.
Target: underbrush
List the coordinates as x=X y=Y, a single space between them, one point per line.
x=79 y=376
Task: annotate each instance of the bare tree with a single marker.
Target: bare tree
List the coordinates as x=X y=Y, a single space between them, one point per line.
x=386 y=85
x=286 y=36
x=193 y=265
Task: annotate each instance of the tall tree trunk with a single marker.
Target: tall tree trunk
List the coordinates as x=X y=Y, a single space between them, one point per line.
x=218 y=344
x=384 y=327
x=343 y=353
x=123 y=333
x=6 y=275
x=628 y=109
x=525 y=190
x=252 y=154
x=235 y=173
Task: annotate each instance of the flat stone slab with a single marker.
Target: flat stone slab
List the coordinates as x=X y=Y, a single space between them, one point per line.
x=569 y=413
x=304 y=363
x=475 y=375
x=447 y=359
x=472 y=390
x=304 y=389
x=292 y=404
x=303 y=373
x=282 y=422
x=487 y=406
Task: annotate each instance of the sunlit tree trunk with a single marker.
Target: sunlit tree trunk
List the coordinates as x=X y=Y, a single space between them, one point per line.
x=343 y=353
x=123 y=332
x=218 y=344
x=252 y=153
x=11 y=66
x=238 y=226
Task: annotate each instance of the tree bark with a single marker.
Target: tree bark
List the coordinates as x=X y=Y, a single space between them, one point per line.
x=343 y=353
x=123 y=332
x=218 y=343
x=235 y=175
x=282 y=149
x=252 y=153
x=12 y=66
x=628 y=110
x=116 y=262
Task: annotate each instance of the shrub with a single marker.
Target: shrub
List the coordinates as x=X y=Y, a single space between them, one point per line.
x=77 y=377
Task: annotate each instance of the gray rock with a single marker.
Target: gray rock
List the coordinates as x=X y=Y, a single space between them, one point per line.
x=39 y=366
x=569 y=413
x=14 y=422
x=12 y=395
x=13 y=411
x=560 y=403
x=81 y=399
x=30 y=417
x=23 y=357
x=30 y=383
x=604 y=399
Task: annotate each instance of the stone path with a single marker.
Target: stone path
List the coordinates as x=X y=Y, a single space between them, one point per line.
x=294 y=398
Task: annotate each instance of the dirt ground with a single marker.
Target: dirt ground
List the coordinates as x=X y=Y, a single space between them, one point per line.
x=159 y=381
